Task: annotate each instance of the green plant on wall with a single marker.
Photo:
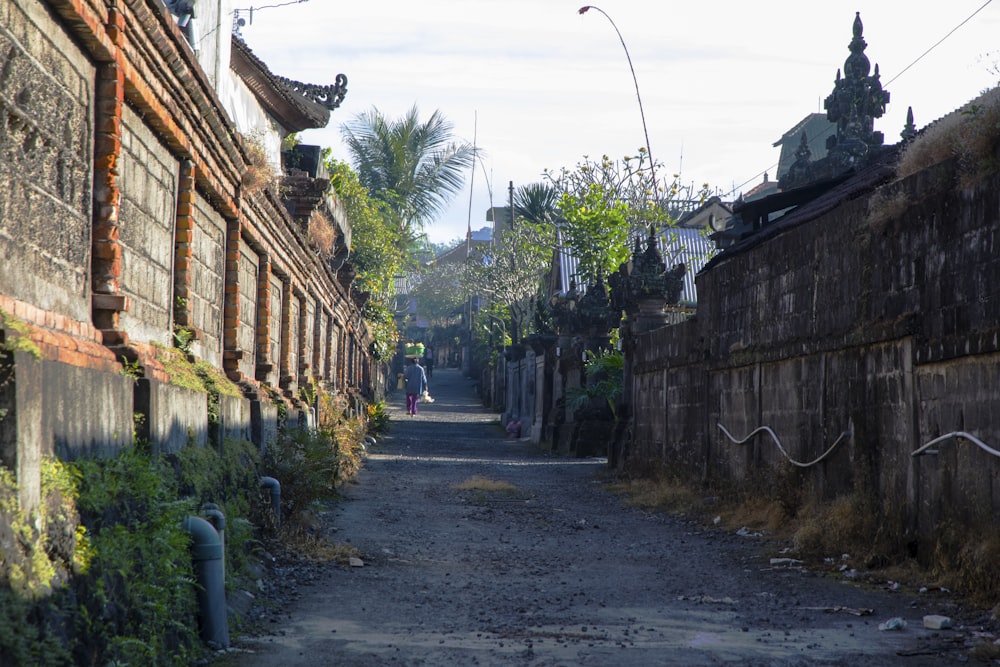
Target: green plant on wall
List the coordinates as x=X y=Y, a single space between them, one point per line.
x=604 y=382
x=138 y=597
x=15 y=336
x=39 y=552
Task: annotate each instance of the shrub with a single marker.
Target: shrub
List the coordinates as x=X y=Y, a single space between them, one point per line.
x=137 y=600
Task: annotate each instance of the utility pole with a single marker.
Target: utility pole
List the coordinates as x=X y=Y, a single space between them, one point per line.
x=510 y=199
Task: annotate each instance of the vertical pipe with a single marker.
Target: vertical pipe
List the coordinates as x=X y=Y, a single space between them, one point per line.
x=206 y=554
x=274 y=486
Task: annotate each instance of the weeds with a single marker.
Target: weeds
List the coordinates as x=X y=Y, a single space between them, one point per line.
x=970 y=136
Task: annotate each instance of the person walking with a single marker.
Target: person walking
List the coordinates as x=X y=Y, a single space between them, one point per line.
x=416 y=383
x=429 y=361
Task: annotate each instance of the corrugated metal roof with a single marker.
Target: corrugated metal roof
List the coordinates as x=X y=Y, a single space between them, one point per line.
x=679 y=244
x=694 y=249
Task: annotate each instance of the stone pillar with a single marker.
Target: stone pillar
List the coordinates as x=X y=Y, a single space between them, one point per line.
x=264 y=364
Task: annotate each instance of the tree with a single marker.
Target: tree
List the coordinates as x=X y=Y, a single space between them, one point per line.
x=595 y=228
x=536 y=202
x=510 y=273
x=607 y=204
x=628 y=181
x=375 y=252
x=413 y=168
x=441 y=293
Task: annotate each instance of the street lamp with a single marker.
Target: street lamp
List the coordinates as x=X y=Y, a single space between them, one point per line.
x=642 y=114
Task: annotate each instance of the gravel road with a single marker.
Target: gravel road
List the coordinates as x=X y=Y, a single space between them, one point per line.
x=556 y=570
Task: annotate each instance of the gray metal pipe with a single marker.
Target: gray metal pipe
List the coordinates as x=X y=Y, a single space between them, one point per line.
x=206 y=554
x=274 y=487
x=216 y=517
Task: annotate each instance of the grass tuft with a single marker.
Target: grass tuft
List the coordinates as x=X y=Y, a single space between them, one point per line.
x=480 y=483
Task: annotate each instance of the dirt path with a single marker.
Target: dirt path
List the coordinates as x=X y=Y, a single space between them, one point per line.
x=557 y=571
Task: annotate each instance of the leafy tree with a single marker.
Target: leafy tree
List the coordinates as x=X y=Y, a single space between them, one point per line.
x=413 y=168
x=596 y=229
x=606 y=204
x=442 y=292
x=628 y=181
x=536 y=202
x=510 y=272
x=375 y=252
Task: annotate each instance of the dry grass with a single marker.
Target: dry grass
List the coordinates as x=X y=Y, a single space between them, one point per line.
x=970 y=135
x=886 y=205
x=659 y=495
x=842 y=525
x=322 y=234
x=480 y=483
x=307 y=544
x=260 y=173
x=966 y=560
x=963 y=557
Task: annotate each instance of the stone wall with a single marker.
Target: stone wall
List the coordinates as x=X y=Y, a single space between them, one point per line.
x=873 y=321
x=46 y=162
x=124 y=220
x=148 y=176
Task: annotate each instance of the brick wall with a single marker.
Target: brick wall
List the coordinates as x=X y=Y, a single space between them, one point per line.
x=123 y=216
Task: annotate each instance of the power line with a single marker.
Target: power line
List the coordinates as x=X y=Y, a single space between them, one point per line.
x=886 y=84
x=938 y=43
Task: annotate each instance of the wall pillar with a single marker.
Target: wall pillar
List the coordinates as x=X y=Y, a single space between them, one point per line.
x=231 y=352
x=264 y=365
x=184 y=245
x=107 y=301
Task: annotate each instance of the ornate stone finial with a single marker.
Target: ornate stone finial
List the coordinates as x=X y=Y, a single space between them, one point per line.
x=644 y=286
x=909 y=130
x=803 y=158
x=563 y=308
x=328 y=96
x=856 y=101
x=595 y=314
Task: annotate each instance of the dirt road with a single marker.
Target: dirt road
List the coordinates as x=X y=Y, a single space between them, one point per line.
x=543 y=566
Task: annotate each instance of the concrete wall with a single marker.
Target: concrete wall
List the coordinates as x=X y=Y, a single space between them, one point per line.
x=884 y=322
x=172 y=417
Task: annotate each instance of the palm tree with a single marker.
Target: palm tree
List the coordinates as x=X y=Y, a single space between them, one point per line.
x=413 y=168
x=536 y=202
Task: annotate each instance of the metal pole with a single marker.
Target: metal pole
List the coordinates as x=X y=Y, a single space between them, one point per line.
x=642 y=114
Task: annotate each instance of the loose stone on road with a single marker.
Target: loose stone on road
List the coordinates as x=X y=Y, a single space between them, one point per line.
x=479 y=550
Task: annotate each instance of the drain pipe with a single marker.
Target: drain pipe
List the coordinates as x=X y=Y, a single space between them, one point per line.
x=206 y=553
x=218 y=520
x=272 y=484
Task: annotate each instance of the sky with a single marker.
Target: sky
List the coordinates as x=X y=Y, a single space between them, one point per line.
x=536 y=85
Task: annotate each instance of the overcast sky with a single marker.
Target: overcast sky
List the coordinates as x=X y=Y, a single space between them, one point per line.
x=538 y=86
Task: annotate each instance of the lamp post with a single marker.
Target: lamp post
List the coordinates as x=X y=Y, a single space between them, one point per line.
x=642 y=114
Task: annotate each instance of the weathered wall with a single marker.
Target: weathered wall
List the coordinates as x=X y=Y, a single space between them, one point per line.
x=46 y=162
x=148 y=177
x=208 y=266
x=124 y=219
x=885 y=322
x=172 y=417
x=86 y=411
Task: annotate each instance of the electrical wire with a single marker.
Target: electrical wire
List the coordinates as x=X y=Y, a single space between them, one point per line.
x=886 y=84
